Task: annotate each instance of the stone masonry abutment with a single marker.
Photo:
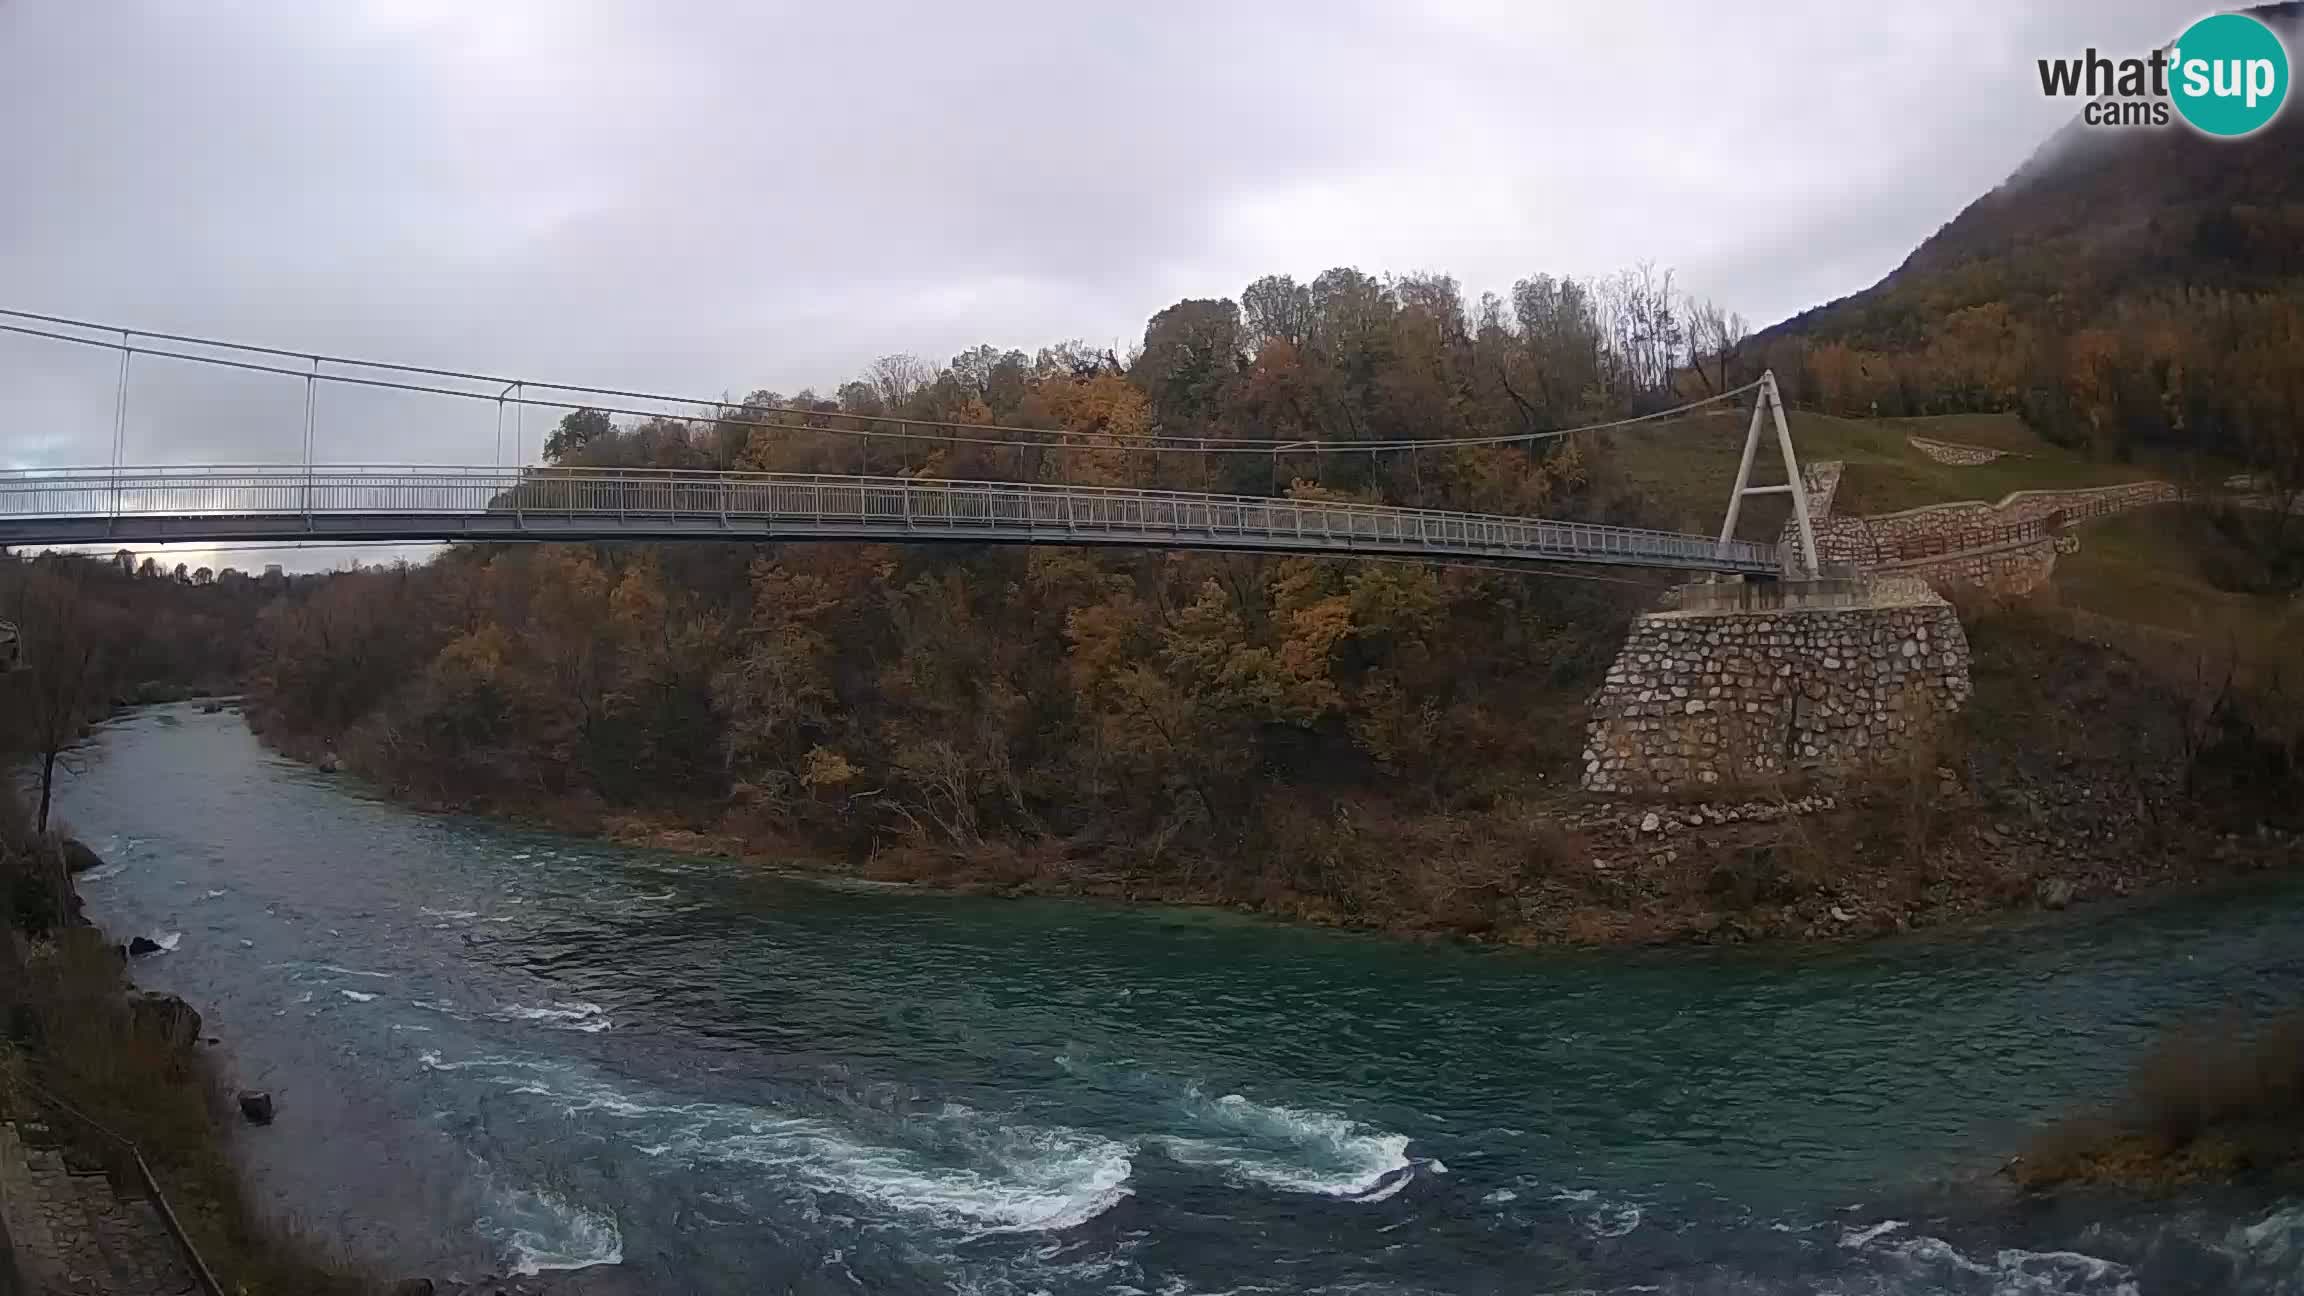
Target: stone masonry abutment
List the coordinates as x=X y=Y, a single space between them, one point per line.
x=1742 y=685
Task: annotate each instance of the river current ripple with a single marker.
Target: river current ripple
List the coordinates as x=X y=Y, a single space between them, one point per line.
x=497 y=1050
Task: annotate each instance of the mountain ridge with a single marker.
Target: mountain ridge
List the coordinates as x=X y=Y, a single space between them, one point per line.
x=2123 y=207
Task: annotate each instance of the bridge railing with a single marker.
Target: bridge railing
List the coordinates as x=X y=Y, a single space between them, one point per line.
x=127 y=1162
x=864 y=504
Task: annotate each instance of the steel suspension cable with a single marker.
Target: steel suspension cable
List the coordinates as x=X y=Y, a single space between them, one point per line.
x=1045 y=438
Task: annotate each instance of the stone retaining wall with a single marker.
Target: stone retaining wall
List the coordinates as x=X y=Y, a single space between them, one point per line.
x=1878 y=542
x=2011 y=569
x=1915 y=528
x=1701 y=700
x=1952 y=452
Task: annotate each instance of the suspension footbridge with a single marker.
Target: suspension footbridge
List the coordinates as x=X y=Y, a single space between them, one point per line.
x=236 y=503
x=399 y=504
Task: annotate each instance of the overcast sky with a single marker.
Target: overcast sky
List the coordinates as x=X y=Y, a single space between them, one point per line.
x=719 y=195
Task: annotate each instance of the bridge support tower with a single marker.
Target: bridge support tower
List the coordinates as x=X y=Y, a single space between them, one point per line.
x=1767 y=413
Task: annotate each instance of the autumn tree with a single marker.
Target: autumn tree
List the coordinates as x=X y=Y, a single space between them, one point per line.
x=1276 y=308
x=576 y=430
x=68 y=639
x=897 y=379
x=1191 y=353
x=1715 y=336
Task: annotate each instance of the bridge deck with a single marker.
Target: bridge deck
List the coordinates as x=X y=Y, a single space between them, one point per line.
x=147 y=505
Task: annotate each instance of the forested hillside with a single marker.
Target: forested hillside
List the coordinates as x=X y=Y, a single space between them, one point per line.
x=85 y=634
x=1366 y=733
x=2125 y=288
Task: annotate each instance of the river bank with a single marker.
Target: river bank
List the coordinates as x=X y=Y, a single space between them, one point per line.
x=2009 y=831
x=87 y=1060
x=2074 y=775
x=1807 y=868
x=2213 y=1103
x=136 y=1066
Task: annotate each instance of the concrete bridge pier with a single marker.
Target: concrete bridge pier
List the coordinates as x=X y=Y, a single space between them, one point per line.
x=1736 y=684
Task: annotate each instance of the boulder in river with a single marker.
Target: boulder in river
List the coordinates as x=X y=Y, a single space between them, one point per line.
x=77 y=857
x=330 y=762
x=143 y=945
x=256 y=1105
x=2053 y=893
x=164 y=1017
x=414 y=1287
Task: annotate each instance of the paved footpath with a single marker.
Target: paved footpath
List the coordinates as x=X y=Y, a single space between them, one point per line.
x=73 y=1234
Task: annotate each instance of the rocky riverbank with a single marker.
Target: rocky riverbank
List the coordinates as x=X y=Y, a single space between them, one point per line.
x=2212 y=1104
x=89 y=1059
x=139 y=1064
x=1864 y=861
x=2072 y=776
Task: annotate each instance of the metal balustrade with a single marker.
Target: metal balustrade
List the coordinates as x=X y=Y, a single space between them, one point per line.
x=413 y=504
x=125 y=1162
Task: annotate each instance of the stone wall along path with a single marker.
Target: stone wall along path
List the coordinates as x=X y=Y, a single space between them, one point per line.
x=70 y=1234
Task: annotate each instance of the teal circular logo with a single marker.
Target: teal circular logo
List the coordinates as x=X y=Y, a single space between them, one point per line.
x=2228 y=74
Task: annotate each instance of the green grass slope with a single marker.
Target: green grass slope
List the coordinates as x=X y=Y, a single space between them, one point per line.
x=2150 y=569
x=1680 y=470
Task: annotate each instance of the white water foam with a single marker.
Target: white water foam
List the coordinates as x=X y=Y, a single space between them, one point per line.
x=168 y=941
x=589 y=1018
x=956 y=1168
x=432 y=1062
x=2014 y=1272
x=1292 y=1149
x=2277 y=1236
x=1033 y=1180
x=1854 y=1238
x=330 y=967
x=357 y=997
x=1613 y=1219
x=1602 y=1218
x=430 y=912
x=541 y=1231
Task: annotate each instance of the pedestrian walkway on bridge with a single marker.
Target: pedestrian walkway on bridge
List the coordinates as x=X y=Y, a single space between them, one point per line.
x=148 y=505
x=235 y=503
